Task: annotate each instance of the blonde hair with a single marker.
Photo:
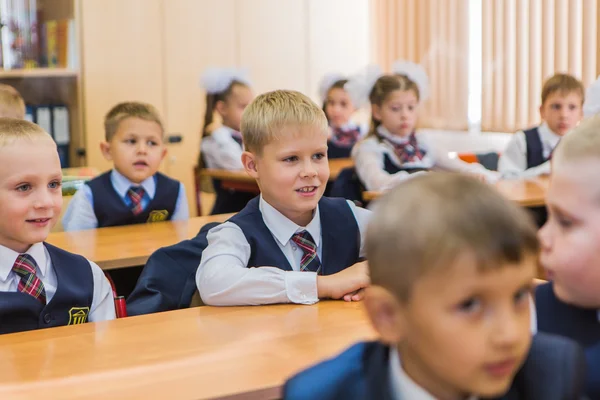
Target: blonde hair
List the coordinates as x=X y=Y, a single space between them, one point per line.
x=382 y=88
x=582 y=142
x=564 y=84
x=12 y=104
x=13 y=129
x=428 y=222
x=270 y=112
x=131 y=109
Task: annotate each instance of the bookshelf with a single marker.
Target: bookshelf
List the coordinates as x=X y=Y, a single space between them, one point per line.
x=37 y=73
x=59 y=83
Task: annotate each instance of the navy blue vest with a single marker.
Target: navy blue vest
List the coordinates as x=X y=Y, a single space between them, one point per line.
x=535 y=150
x=229 y=200
x=555 y=316
x=339 y=231
x=391 y=168
x=336 y=151
x=111 y=210
x=74 y=293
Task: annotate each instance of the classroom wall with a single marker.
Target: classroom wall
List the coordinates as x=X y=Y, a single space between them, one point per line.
x=156 y=50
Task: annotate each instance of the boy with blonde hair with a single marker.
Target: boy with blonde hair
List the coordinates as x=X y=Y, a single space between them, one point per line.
x=133 y=191
x=528 y=152
x=452 y=263
x=305 y=247
x=569 y=305
x=12 y=104
x=41 y=286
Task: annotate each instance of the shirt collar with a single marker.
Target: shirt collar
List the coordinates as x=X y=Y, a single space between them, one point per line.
x=403 y=387
x=349 y=126
x=389 y=136
x=283 y=229
x=9 y=256
x=122 y=184
x=548 y=136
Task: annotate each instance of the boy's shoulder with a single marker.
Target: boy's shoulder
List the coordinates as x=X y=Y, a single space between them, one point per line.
x=359 y=372
x=58 y=254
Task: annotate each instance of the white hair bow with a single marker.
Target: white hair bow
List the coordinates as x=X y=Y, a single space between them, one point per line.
x=327 y=82
x=217 y=80
x=415 y=73
x=359 y=86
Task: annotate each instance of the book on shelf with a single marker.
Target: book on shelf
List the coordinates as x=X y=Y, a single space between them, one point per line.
x=27 y=40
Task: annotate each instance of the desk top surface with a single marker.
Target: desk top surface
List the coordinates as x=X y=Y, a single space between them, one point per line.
x=202 y=352
x=526 y=192
x=130 y=245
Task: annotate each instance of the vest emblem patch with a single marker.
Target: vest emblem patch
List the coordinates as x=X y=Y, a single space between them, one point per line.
x=158 y=216
x=78 y=315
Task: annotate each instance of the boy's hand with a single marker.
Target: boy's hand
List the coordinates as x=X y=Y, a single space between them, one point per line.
x=355 y=296
x=347 y=282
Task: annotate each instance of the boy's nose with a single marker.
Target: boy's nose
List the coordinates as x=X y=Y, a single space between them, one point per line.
x=44 y=199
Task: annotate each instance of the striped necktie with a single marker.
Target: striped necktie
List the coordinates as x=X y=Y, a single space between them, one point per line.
x=136 y=194
x=310 y=260
x=30 y=283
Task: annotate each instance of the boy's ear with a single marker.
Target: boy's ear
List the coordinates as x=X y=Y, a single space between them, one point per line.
x=376 y=112
x=164 y=153
x=249 y=162
x=105 y=149
x=385 y=313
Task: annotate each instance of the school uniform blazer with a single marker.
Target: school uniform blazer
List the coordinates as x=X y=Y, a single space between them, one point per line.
x=554 y=370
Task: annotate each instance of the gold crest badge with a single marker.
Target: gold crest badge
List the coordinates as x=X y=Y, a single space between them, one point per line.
x=158 y=216
x=78 y=315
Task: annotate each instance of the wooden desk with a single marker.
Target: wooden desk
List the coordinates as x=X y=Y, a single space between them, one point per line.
x=526 y=192
x=335 y=167
x=197 y=353
x=131 y=245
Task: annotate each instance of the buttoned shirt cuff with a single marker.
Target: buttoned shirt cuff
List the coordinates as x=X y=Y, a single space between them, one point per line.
x=301 y=287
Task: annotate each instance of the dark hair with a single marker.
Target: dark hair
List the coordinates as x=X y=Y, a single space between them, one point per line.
x=382 y=88
x=336 y=85
x=211 y=103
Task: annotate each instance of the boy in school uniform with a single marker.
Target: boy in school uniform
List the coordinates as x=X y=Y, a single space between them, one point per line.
x=41 y=286
x=528 y=152
x=451 y=263
x=569 y=305
x=290 y=244
x=133 y=191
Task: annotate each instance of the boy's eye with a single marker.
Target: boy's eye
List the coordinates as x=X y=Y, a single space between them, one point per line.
x=564 y=222
x=572 y=107
x=152 y=143
x=290 y=159
x=319 y=156
x=54 y=184
x=522 y=296
x=556 y=106
x=23 y=188
x=130 y=141
x=470 y=306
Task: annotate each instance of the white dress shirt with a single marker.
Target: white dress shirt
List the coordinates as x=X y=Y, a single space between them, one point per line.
x=402 y=385
x=223 y=278
x=221 y=151
x=103 y=306
x=513 y=161
x=80 y=213
x=369 y=154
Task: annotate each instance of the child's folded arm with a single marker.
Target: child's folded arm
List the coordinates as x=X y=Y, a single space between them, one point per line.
x=223 y=277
